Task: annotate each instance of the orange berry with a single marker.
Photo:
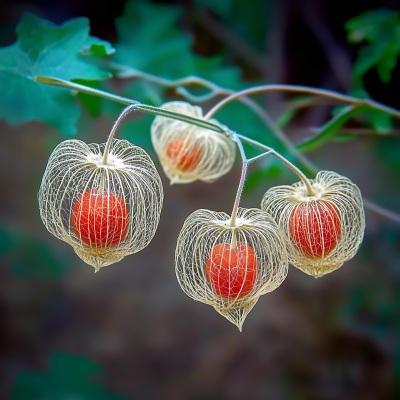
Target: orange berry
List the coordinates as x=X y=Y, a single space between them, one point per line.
x=232 y=272
x=100 y=219
x=185 y=158
x=315 y=229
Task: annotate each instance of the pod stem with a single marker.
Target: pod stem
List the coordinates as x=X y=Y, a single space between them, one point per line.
x=234 y=240
x=102 y=181
x=121 y=117
x=271 y=151
x=245 y=164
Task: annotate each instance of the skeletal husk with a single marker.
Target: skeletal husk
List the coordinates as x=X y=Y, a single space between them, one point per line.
x=334 y=192
x=204 y=229
x=216 y=151
x=74 y=168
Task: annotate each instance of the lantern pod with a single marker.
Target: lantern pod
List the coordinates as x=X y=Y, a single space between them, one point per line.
x=187 y=152
x=321 y=231
x=230 y=267
x=104 y=212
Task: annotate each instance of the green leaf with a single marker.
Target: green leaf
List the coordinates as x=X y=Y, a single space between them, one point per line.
x=381 y=29
x=369 y=25
x=213 y=70
x=91 y=103
x=69 y=377
x=388 y=61
x=329 y=129
x=150 y=42
x=344 y=137
x=42 y=48
x=292 y=107
x=95 y=47
x=380 y=121
x=285 y=118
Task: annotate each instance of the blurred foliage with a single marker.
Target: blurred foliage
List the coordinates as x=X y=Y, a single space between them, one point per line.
x=43 y=48
x=28 y=256
x=69 y=378
x=328 y=130
x=149 y=41
x=379 y=121
x=222 y=7
x=381 y=30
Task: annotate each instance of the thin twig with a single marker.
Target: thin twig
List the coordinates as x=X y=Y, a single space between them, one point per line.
x=305 y=89
x=281 y=158
x=245 y=165
x=381 y=211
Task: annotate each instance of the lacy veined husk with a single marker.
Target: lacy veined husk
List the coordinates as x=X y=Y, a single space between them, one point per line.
x=333 y=193
x=75 y=168
x=205 y=229
x=208 y=154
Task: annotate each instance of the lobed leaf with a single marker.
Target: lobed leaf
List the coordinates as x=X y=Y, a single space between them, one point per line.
x=43 y=48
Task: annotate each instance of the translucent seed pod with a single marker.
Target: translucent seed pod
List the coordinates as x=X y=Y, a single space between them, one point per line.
x=187 y=152
x=321 y=231
x=230 y=267
x=105 y=212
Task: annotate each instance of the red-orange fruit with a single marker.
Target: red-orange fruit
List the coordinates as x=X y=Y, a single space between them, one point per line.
x=100 y=219
x=315 y=229
x=185 y=158
x=232 y=272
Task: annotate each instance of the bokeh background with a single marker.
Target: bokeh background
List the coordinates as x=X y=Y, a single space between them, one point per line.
x=129 y=332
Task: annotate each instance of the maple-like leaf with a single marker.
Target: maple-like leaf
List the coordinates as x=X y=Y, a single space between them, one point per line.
x=45 y=49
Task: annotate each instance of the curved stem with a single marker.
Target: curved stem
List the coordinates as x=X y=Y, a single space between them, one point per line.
x=216 y=90
x=259 y=157
x=245 y=165
x=137 y=105
x=121 y=117
x=305 y=89
x=281 y=158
